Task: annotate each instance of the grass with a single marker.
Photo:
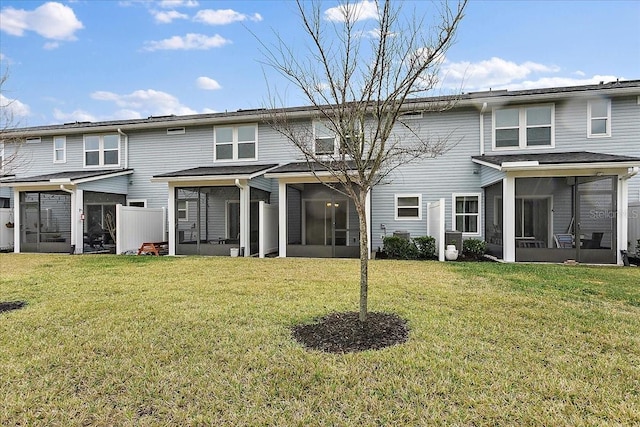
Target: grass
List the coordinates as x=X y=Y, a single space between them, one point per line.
x=117 y=340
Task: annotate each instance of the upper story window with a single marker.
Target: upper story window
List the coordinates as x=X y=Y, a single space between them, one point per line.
x=59 y=149
x=235 y=142
x=599 y=118
x=408 y=206
x=326 y=142
x=33 y=140
x=102 y=150
x=466 y=213
x=182 y=210
x=524 y=127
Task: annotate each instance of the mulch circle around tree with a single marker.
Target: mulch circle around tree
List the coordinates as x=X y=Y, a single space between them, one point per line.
x=344 y=333
x=11 y=305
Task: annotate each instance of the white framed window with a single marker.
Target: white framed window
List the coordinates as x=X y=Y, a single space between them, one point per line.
x=324 y=140
x=140 y=203
x=59 y=149
x=238 y=142
x=524 y=127
x=599 y=118
x=182 y=210
x=33 y=140
x=408 y=206
x=466 y=212
x=102 y=150
x=175 y=131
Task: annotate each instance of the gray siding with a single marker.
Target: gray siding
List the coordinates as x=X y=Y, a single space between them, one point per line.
x=117 y=184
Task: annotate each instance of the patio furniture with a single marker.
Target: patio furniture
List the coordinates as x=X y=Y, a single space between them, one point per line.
x=156 y=248
x=563 y=240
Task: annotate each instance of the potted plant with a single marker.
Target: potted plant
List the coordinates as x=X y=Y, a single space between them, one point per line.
x=451 y=253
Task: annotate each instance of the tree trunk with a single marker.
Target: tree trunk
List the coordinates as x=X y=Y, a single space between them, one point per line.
x=361 y=204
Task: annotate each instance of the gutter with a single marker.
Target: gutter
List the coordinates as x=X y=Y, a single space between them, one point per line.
x=631 y=173
x=63 y=188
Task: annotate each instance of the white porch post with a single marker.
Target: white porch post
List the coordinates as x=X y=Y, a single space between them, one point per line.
x=77 y=225
x=16 y=220
x=282 y=218
x=245 y=224
x=509 y=218
x=622 y=218
x=368 y=215
x=171 y=211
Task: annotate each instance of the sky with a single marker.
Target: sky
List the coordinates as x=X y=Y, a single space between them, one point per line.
x=88 y=60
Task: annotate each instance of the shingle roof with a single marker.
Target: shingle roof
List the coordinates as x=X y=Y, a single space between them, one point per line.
x=556 y=158
x=306 y=167
x=217 y=171
x=70 y=175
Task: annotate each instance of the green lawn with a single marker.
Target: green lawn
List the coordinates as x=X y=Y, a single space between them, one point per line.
x=116 y=340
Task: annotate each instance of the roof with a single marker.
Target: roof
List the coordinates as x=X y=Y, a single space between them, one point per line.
x=68 y=177
x=306 y=167
x=216 y=172
x=631 y=87
x=529 y=160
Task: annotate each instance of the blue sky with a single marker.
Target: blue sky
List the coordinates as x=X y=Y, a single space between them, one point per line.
x=87 y=60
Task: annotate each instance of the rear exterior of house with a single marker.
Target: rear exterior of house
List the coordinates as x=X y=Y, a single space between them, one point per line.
x=540 y=175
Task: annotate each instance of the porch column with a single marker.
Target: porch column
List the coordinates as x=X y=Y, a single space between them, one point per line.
x=16 y=220
x=282 y=218
x=509 y=219
x=368 y=214
x=77 y=225
x=171 y=215
x=245 y=224
x=622 y=216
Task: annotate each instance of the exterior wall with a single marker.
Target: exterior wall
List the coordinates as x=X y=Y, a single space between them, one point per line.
x=116 y=184
x=433 y=178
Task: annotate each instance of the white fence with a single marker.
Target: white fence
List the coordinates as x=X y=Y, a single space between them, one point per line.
x=268 y=229
x=436 y=224
x=6 y=233
x=136 y=226
x=634 y=226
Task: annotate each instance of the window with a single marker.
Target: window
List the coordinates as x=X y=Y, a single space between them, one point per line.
x=235 y=142
x=102 y=150
x=59 y=149
x=175 y=131
x=33 y=140
x=139 y=203
x=599 y=118
x=324 y=140
x=182 y=209
x=524 y=127
x=466 y=213
x=408 y=206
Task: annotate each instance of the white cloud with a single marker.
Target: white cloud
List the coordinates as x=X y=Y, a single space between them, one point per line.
x=52 y=20
x=51 y=45
x=145 y=103
x=74 y=116
x=13 y=107
x=167 y=17
x=172 y=4
x=207 y=83
x=188 y=42
x=497 y=73
x=363 y=10
x=224 y=16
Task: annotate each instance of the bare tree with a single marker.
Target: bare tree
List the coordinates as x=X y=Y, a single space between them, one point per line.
x=358 y=83
x=10 y=139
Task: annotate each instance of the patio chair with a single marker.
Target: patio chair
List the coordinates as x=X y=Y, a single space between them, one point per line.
x=563 y=240
x=594 y=242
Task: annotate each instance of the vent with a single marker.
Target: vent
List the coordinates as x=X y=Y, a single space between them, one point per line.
x=411 y=115
x=34 y=140
x=175 y=131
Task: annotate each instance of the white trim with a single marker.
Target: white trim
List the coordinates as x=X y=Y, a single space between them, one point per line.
x=590 y=119
x=454 y=213
x=234 y=143
x=407 y=195
x=63 y=149
x=522 y=127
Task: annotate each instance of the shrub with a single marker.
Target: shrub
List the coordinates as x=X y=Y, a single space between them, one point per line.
x=426 y=246
x=474 y=248
x=399 y=248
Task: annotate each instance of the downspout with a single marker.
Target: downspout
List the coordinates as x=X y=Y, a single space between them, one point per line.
x=244 y=209
x=126 y=148
x=632 y=172
x=484 y=108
